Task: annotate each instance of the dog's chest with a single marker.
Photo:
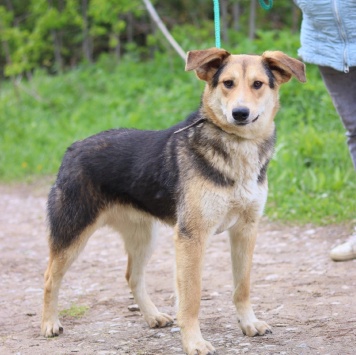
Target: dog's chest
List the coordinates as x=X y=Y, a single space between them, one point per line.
x=247 y=197
x=246 y=202
x=225 y=177
x=243 y=167
x=244 y=198
x=247 y=163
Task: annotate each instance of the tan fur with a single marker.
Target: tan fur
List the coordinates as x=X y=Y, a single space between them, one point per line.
x=58 y=264
x=238 y=208
x=205 y=207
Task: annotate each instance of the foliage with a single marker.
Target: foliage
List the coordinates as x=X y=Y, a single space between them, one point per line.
x=85 y=101
x=57 y=34
x=311 y=175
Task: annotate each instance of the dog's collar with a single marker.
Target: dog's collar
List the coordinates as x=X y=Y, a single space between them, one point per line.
x=191 y=125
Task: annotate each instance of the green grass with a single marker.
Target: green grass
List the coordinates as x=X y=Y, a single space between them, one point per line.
x=75 y=311
x=35 y=134
x=311 y=177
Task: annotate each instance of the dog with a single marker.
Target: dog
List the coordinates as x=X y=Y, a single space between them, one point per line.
x=205 y=175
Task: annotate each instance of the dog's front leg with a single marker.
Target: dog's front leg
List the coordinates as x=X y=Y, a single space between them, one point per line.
x=189 y=259
x=242 y=240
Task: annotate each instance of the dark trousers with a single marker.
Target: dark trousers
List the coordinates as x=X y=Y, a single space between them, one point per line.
x=342 y=89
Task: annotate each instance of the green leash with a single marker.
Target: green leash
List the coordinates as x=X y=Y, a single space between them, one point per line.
x=217 y=23
x=265 y=5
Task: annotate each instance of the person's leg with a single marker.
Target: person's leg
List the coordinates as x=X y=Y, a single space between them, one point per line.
x=342 y=89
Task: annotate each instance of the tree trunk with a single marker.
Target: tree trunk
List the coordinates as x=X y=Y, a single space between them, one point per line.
x=5 y=47
x=295 y=18
x=6 y=50
x=4 y=43
x=130 y=28
x=153 y=47
x=252 y=21
x=87 y=48
x=236 y=15
x=118 y=49
x=224 y=21
x=57 y=51
x=56 y=46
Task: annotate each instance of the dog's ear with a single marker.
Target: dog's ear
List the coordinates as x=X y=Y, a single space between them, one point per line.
x=205 y=62
x=284 y=67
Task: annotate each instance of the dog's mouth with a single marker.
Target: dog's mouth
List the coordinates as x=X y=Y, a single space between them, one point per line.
x=244 y=123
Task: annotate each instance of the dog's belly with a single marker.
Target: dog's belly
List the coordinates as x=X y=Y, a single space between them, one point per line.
x=229 y=221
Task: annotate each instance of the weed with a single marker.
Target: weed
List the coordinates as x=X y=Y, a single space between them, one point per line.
x=74 y=311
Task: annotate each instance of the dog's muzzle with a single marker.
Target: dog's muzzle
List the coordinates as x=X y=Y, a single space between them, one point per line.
x=241 y=115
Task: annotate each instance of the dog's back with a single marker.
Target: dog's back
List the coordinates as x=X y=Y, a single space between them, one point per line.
x=118 y=166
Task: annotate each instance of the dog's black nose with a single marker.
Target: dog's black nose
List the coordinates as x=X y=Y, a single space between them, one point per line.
x=240 y=114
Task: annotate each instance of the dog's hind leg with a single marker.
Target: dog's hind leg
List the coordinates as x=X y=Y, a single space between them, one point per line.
x=242 y=241
x=59 y=263
x=139 y=238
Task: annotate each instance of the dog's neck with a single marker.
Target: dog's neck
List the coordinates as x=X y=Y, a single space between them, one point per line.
x=195 y=123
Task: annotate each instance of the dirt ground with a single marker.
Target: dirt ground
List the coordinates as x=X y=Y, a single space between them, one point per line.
x=309 y=301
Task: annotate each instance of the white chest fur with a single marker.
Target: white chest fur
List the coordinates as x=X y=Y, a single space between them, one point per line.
x=247 y=198
x=246 y=203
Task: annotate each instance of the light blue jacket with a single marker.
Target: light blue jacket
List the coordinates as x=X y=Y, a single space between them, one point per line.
x=328 y=33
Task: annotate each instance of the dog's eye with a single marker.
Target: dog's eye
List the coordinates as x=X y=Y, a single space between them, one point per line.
x=228 y=84
x=257 y=84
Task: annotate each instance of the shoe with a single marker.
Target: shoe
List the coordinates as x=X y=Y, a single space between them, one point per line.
x=345 y=251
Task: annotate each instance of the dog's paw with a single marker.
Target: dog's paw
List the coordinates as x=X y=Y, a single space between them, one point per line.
x=51 y=329
x=201 y=347
x=254 y=328
x=158 y=320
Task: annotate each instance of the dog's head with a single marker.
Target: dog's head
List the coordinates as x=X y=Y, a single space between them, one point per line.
x=241 y=95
